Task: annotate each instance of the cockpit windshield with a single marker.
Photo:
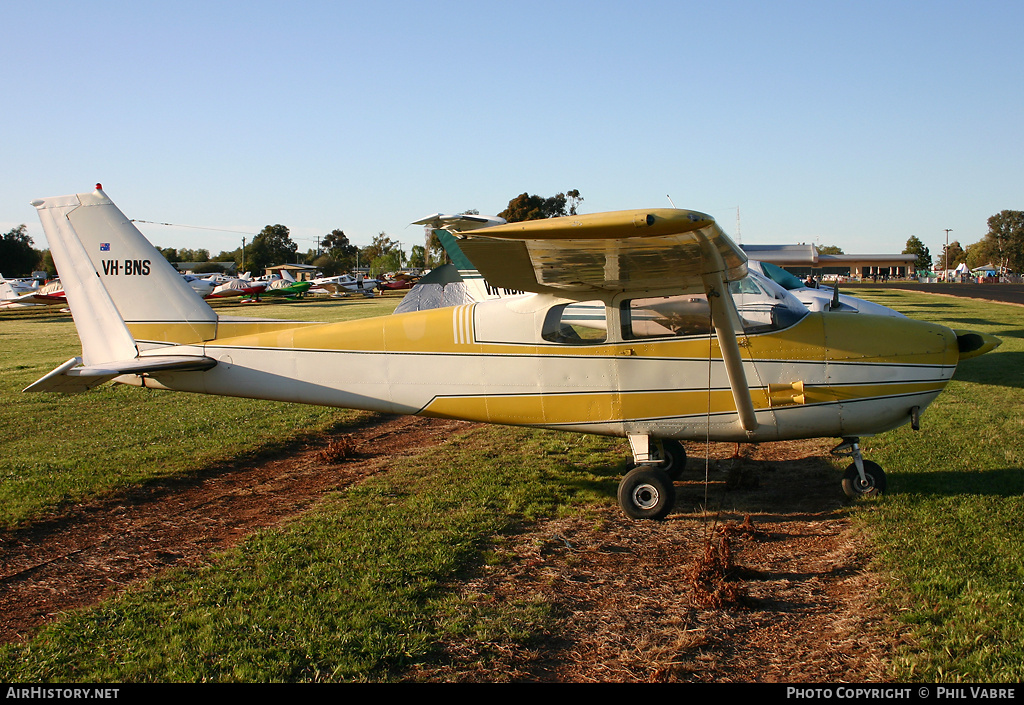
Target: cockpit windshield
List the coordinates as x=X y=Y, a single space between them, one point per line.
x=780 y=276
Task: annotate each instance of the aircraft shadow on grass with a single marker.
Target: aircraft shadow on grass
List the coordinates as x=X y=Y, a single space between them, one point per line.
x=765 y=488
x=930 y=304
x=973 y=321
x=35 y=317
x=1002 y=369
x=742 y=485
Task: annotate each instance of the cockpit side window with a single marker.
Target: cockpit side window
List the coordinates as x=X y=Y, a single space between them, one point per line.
x=759 y=309
x=666 y=317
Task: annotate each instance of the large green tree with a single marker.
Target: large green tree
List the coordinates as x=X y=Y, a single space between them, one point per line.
x=185 y=254
x=382 y=255
x=418 y=257
x=1004 y=241
x=17 y=258
x=382 y=245
x=916 y=247
x=532 y=207
x=950 y=258
x=272 y=246
x=47 y=265
x=342 y=253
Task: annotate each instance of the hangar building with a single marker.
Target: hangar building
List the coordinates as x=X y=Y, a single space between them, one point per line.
x=802 y=260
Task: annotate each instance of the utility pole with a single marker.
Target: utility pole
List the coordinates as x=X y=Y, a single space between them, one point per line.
x=945 y=258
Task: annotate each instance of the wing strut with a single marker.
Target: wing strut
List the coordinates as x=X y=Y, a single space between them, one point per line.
x=726 y=322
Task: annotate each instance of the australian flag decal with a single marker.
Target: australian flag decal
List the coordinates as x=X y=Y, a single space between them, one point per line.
x=104 y=247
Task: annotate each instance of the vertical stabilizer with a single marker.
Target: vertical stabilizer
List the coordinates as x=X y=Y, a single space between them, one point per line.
x=113 y=277
x=7 y=292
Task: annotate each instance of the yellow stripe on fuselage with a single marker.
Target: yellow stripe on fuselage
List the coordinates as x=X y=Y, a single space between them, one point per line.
x=186 y=333
x=856 y=337
x=608 y=407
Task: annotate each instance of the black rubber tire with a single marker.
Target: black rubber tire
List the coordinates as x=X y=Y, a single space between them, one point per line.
x=875 y=485
x=675 y=459
x=646 y=492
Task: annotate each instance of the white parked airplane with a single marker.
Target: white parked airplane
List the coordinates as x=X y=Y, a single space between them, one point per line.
x=699 y=373
x=202 y=285
x=823 y=298
x=47 y=295
x=344 y=284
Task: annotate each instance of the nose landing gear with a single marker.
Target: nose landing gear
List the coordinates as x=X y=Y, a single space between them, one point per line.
x=862 y=478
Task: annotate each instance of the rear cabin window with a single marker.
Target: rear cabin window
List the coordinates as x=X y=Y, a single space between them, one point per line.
x=583 y=323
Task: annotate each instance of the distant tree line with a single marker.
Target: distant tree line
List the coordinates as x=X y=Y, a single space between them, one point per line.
x=17 y=257
x=532 y=207
x=1002 y=246
x=273 y=245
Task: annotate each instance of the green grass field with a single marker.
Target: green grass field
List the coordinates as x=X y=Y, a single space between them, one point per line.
x=57 y=449
x=950 y=529
x=356 y=589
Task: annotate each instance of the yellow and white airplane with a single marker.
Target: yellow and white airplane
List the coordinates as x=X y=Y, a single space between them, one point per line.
x=672 y=360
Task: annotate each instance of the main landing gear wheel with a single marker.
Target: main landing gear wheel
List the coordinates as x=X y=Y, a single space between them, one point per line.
x=647 y=492
x=674 y=461
x=872 y=485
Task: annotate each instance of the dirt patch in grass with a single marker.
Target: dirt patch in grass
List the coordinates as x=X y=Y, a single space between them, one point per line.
x=90 y=551
x=757 y=575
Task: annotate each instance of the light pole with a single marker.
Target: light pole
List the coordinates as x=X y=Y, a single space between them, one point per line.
x=945 y=259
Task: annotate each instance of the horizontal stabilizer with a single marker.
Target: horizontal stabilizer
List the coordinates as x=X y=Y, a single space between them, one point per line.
x=459 y=223
x=72 y=377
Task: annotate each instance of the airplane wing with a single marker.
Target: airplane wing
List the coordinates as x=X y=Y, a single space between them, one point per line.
x=599 y=254
x=576 y=256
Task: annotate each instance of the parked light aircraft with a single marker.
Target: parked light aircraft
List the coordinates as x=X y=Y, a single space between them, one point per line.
x=345 y=284
x=238 y=287
x=203 y=286
x=821 y=298
x=697 y=372
x=286 y=286
x=47 y=295
x=21 y=285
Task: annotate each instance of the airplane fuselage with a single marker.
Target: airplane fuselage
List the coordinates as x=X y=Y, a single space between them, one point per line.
x=826 y=375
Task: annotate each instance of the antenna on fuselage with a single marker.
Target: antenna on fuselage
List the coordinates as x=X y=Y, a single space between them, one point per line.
x=670 y=200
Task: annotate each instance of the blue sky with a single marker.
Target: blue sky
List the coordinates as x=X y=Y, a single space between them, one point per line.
x=850 y=123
